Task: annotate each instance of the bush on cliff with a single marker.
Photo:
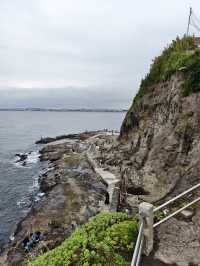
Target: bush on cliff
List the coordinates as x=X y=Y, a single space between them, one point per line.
x=181 y=55
x=104 y=240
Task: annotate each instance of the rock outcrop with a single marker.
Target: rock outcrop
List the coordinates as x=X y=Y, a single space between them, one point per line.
x=74 y=192
x=157 y=156
x=162 y=131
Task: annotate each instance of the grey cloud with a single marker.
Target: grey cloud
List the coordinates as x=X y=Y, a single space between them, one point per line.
x=75 y=98
x=96 y=48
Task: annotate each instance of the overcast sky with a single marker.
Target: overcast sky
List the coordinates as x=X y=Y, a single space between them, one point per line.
x=82 y=53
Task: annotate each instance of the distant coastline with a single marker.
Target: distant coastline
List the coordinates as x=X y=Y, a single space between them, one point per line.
x=103 y=110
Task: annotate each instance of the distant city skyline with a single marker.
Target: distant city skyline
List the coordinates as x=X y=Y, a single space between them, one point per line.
x=38 y=109
x=82 y=54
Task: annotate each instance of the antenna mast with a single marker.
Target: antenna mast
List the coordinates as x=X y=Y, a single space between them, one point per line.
x=188 y=27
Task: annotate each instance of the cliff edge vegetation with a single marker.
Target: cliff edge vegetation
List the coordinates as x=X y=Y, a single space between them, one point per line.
x=182 y=55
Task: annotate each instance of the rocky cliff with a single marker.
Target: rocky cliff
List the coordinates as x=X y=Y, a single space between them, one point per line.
x=162 y=131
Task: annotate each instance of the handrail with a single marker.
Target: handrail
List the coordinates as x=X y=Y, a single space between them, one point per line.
x=175 y=198
x=149 y=215
x=176 y=212
x=138 y=245
x=140 y=252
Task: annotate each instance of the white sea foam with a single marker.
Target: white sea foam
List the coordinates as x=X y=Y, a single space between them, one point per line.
x=12 y=238
x=19 y=165
x=38 y=196
x=34 y=195
x=24 y=202
x=33 y=157
x=35 y=185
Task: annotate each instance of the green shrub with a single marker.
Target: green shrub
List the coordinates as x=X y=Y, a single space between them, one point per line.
x=158 y=216
x=122 y=235
x=192 y=73
x=183 y=55
x=99 y=242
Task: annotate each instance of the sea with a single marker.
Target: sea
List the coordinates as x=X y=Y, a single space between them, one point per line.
x=18 y=132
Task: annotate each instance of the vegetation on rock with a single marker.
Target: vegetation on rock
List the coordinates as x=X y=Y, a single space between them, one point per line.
x=182 y=55
x=104 y=240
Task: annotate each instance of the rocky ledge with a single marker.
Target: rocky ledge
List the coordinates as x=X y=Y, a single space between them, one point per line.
x=74 y=191
x=78 y=136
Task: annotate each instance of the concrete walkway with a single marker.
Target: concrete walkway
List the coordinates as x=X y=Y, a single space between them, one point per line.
x=109 y=178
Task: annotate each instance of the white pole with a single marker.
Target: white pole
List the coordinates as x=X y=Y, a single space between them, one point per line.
x=188 y=27
x=146 y=212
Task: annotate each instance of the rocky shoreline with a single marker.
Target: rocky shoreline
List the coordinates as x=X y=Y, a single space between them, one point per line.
x=75 y=188
x=91 y=173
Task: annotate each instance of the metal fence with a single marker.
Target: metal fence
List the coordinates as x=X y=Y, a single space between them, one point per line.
x=145 y=234
x=138 y=246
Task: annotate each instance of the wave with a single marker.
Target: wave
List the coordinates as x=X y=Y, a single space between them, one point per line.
x=26 y=159
x=33 y=194
x=33 y=157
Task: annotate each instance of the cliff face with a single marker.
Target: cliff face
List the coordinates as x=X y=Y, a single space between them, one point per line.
x=163 y=132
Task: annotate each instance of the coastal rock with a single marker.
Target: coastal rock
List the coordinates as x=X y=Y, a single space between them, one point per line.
x=165 y=140
x=73 y=194
x=179 y=237
x=21 y=158
x=163 y=129
x=24 y=159
x=187 y=214
x=81 y=136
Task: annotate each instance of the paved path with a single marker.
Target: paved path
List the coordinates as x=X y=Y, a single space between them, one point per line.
x=107 y=176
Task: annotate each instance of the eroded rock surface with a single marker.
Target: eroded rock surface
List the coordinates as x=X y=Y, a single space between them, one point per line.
x=163 y=133
x=73 y=194
x=156 y=157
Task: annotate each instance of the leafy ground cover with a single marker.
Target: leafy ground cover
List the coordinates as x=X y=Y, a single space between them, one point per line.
x=104 y=240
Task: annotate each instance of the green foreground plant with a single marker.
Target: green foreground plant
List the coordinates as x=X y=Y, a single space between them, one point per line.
x=105 y=240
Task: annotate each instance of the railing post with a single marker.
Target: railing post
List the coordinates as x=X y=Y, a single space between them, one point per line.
x=146 y=213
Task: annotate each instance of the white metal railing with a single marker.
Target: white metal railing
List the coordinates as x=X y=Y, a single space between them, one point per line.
x=138 y=245
x=176 y=212
x=177 y=197
x=145 y=233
